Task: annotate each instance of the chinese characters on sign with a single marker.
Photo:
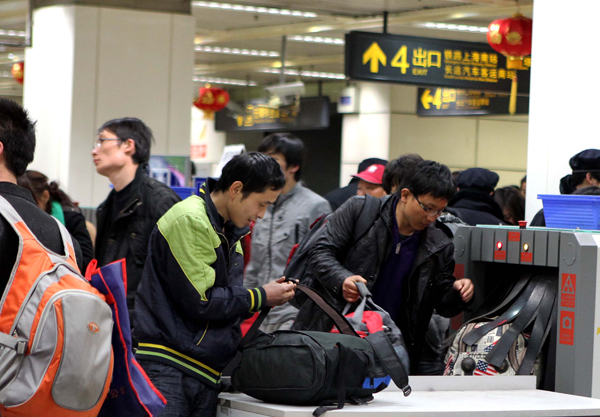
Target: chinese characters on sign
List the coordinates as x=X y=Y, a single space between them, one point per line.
x=461 y=102
x=424 y=61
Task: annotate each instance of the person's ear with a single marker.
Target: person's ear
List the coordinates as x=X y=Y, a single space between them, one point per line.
x=129 y=147
x=44 y=199
x=405 y=195
x=293 y=169
x=235 y=189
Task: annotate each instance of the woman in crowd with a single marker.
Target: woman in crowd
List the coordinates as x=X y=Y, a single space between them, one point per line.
x=57 y=203
x=512 y=202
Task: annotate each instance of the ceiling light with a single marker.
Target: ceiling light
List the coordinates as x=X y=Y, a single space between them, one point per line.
x=226 y=81
x=235 y=51
x=313 y=74
x=318 y=39
x=20 y=34
x=454 y=27
x=252 y=9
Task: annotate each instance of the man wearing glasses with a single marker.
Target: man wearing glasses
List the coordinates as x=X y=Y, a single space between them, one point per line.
x=128 y=215
x=405 y=259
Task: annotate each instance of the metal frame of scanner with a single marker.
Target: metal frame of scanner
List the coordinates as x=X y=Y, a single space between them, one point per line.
x=573 y=256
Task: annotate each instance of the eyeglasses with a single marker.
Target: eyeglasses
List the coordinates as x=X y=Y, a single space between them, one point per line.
x=429 y=211
x=99 y=141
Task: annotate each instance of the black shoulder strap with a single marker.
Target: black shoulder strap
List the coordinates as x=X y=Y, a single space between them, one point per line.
x=387 y=355
x=367 y=217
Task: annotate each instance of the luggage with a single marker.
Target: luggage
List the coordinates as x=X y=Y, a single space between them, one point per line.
x=296 y=267
x=131 y=394
x=369 y=318
x=510 y=339
x=55 y=333
x=317 y=368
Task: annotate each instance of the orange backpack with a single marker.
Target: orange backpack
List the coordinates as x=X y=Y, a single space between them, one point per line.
x=55 y=333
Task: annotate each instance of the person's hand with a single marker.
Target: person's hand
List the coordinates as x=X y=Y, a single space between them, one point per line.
x=279 y=292
x=465 y=287
x=349 y=289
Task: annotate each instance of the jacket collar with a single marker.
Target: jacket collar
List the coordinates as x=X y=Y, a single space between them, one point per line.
x=215 y=218
x=283 y=197
x=475 y=199
x=141 y=174
x=17 y=191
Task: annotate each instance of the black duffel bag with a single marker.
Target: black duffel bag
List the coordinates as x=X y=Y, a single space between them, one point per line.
x=317 y=368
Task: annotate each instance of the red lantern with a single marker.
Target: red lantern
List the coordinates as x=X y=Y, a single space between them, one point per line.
x=18 y=72
x=512 y=38
x=211 y=100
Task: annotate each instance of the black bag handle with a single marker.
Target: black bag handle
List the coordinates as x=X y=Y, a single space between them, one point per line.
x=339 y=320
x=387 y=355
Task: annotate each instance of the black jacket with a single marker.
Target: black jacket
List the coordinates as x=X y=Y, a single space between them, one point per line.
x=429 y=285
x=127 y=237
x=75 y=224
x=339 y=196
x=41 y=224
x=475 y=207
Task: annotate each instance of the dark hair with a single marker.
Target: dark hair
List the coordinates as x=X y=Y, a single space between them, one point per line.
x=591 y=190
x=510 y=199
x=132 y=128
x=433 y=178
x=289 y=146
x=17 y=134
x=255 y=170
x=577 y=178
x=37 y=183
x=398 y=171
x=523 y=180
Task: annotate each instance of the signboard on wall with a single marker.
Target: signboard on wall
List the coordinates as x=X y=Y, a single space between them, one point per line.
x=460 y=102
x=425 y=61
x=311 y=114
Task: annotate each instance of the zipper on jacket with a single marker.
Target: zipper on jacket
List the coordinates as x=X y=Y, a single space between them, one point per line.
x=228 y=245
x=123 y=212
x=269 y=246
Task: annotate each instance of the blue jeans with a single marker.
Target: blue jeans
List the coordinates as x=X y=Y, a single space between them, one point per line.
x=186 y=396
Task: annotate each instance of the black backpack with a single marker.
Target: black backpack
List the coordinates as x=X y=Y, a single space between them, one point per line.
x=297 y=261
x=317 y=368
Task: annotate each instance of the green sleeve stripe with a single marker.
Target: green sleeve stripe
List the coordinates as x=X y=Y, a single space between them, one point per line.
x=259 y=298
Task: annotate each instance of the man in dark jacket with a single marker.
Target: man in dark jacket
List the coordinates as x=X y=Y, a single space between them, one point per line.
x=126 y=218
x=473 y=203
x=338 y=197
x=191 y=300
x=17 y=146
x=406 y=259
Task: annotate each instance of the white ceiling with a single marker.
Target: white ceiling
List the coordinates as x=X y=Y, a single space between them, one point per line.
x=219 y=28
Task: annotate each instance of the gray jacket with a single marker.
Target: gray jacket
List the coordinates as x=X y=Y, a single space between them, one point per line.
x=285 y=223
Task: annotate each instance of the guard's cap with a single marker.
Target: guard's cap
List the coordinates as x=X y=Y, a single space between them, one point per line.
x=586 y=161
x=481 y=178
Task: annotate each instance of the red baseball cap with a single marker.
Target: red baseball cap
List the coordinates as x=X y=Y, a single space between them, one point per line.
x=373 y=174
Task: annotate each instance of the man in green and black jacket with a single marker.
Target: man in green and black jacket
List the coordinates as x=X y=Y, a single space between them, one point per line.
x=191 y=300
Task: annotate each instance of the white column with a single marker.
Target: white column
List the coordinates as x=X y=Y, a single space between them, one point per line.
x=88 y=65
x=366 y=134
x=563 y=110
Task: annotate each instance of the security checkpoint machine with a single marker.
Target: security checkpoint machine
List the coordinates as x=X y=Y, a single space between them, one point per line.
x=495 y=257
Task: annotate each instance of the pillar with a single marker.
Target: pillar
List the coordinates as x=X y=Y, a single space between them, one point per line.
x=89 y=64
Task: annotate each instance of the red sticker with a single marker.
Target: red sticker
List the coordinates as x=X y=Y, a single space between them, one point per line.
x=567 y=328
x=526 y=257
x=500 y=255
x=568 y=286
x=459 y=271
x=514 y=236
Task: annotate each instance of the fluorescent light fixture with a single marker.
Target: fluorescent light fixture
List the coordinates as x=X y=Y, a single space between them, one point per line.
x=252 y=9
x=235 y=51
x=317 y=39
x=454 y=27
x=226 y=81
x=17 y=33
x=312 y=74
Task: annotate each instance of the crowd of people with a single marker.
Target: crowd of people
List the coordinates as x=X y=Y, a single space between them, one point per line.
x=188 y=287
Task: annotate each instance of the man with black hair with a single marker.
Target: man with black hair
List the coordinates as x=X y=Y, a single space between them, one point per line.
x=17 y=147
x=285 y=223
x=405 y=259
x=399 y=170
x=191 y=300
x=130 y=212
x=585 y=167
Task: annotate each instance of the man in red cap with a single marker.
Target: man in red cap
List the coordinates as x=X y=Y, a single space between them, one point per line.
x=371 y=181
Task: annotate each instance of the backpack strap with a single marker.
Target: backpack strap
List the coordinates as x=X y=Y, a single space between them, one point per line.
x=19 y=345
x=391 y=362
x=369 y=213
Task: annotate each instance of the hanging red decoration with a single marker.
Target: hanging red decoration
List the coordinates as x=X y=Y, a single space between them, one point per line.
x=18 y=72
x=211 y=100
x=512 y=38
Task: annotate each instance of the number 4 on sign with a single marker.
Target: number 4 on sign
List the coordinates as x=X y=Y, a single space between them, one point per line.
x=400 y=60
x=427 y=99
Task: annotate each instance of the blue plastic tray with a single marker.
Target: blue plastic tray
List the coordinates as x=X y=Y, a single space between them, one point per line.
x=184 y=192
x=571 y=211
